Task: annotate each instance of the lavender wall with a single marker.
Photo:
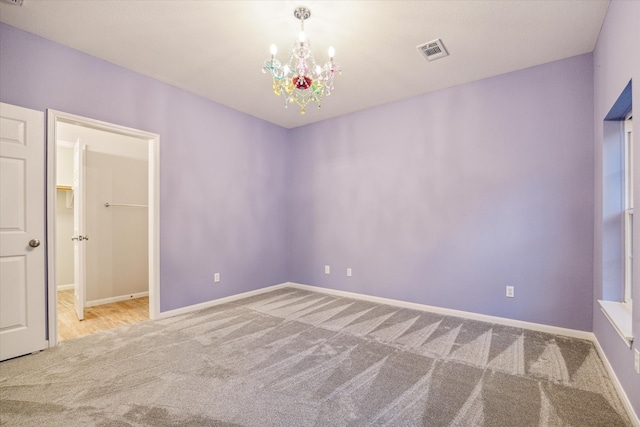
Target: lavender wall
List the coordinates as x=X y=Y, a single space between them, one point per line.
x=446 y=198
x=222 y=173
x=616 y=61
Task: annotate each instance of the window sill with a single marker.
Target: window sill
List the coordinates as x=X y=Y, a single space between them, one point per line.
x=620 y=317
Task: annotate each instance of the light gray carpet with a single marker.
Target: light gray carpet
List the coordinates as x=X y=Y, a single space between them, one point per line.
x=297 y=358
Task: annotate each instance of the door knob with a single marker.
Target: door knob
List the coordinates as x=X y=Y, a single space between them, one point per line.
x=34 y=243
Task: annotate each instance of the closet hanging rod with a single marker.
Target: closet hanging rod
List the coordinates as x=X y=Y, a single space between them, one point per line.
x=106 y=205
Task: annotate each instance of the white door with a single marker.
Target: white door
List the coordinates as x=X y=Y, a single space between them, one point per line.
x=79 y=273
x=23 y=288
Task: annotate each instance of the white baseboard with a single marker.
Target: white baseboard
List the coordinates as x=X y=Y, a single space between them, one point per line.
x=616 y=383
x=212 y=303
x=115 y=299
x=440 y=310
x=65 y=287
x=457 y=313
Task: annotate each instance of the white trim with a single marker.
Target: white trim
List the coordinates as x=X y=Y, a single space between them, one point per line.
x=619 y=314
x=457 y=313
x=616 y=383
x=154 y=209
x=628 y=207
x=446 y=311
x=50 y=190
x=64 y=144
x=115 y=299
x=191 y=308
x=154 y=227
x=628 y=256
x=65 y=287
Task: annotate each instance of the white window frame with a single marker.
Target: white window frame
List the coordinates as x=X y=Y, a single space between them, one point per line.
x=618 y=148
x=628 y=210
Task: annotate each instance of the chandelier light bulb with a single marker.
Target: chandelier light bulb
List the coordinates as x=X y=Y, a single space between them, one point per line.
x=274 y=49
x=332 y=52
x=302 y=37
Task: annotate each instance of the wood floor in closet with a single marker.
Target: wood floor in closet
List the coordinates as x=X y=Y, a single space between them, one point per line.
x=98 y=318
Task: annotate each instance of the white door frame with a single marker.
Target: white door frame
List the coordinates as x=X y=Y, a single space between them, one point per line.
x=53 y=117
x=79 y=226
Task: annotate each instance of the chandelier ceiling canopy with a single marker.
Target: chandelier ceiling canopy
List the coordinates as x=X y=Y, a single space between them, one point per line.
x=301 y=79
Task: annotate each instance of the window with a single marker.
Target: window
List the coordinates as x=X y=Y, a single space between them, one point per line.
x=617 y=216
x=628 y=209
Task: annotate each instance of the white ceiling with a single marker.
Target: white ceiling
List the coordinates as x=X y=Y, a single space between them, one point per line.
x=216 y=48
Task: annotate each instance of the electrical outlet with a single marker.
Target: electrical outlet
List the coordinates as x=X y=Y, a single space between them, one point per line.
x=510 y=292
x=636 y=360
x=216 y=277
x=327 y=269
x=348 y=272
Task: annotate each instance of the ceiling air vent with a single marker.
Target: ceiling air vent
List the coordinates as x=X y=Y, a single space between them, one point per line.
x=433 y=50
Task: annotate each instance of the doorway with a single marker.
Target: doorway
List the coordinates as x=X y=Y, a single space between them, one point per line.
x=119 y=238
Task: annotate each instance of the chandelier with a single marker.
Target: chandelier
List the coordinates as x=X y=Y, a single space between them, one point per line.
x=301 y=80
